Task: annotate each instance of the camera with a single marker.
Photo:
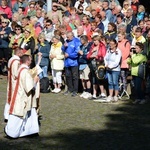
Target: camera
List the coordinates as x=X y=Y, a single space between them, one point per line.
x=133 y=50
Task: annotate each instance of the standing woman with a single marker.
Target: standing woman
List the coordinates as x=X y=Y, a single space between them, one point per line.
x=124 y=46
x=57 y=63
x=43 y=50
x=96 y=54
x=112 y=64
x=134 y=61
x=28 y=45
x=4 y=42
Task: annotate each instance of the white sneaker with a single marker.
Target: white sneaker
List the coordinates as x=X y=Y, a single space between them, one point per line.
x=115 y=99
x=53 y=91
x=87 y=95
x=109 y=99
x=57 y=90
x=84 y=93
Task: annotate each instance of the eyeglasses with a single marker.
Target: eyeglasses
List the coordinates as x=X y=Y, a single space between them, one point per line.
x=4 y=22
x=48 y=24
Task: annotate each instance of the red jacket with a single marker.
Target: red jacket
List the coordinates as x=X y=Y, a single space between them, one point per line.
x=101 y=51
x=6 y=11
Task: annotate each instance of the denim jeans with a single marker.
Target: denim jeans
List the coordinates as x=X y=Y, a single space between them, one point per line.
x=113 y=79
x=44 y=73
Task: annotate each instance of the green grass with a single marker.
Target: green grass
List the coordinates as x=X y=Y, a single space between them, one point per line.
x=78 y=124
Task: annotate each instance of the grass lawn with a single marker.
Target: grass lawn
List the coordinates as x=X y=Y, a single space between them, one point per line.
x=78 y=124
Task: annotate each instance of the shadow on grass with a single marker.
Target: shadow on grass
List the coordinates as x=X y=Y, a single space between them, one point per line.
x=128 y=128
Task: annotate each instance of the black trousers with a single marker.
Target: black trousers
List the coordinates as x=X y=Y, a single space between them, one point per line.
x=72 y=76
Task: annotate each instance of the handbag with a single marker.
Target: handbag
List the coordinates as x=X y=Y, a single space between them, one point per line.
x=142 y=70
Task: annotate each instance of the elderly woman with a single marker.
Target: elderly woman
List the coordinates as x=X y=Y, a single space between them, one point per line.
x=96 y=54
x=4 y=52
x=112 y=64
x=43 y=49
x=57 y=63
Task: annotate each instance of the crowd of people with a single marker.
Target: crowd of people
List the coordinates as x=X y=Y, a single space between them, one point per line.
x=99 y=42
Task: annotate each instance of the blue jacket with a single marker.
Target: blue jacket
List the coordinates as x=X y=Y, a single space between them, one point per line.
x=45 y=53
x=4 y=41
x=72 y=50
x=17 y=5
x=101 y=26
x=83 y=58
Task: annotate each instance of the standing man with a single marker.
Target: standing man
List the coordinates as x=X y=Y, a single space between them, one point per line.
x=23 y=119
x=13 y=65
x=71 y=49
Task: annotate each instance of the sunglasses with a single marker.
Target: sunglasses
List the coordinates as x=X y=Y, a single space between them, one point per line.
x=48 y=24
x=4 y=22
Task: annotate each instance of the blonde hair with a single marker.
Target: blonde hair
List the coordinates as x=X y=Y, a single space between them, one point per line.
x=42 y=35
x=142 y=8
x=96 y=37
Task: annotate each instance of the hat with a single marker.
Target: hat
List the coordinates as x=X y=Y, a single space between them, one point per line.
x=27 y=29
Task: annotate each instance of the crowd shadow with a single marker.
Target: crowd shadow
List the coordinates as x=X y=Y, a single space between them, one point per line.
x=126 y=129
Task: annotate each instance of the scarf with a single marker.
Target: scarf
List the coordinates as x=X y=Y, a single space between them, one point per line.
x=27 y=39
x=59 y=44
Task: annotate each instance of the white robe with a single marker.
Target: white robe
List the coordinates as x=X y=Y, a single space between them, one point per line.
x=19 y=127
x=22 y=120
x=13 y=65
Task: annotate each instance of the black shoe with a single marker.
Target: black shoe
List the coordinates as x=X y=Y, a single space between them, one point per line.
x=92 y=98
x=5 y=120
x=67 y=93
x=74 y=94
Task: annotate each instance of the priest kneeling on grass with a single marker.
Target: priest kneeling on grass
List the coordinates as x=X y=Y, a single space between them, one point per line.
x=23 y=118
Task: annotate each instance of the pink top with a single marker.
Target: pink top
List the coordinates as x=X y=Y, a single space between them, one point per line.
x=124 y=46
x=87 y=28
x=6 y=11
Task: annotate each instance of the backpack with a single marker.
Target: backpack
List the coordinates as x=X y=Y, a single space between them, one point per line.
x=100 y=72
x=44 y=85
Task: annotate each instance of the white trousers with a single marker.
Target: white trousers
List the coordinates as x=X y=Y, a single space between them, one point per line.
x=18 y=127
x=56 y=74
